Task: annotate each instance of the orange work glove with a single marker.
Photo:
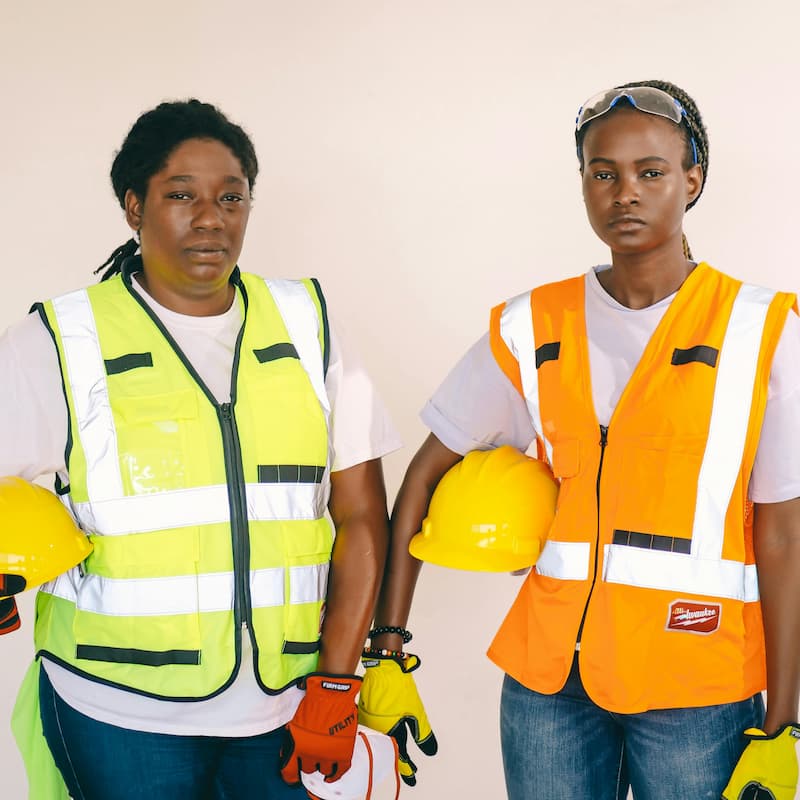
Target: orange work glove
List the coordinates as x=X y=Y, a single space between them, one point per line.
x=322 y=734
x=9 y=617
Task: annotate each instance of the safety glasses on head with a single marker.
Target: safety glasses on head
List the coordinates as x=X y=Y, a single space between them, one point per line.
x=643 y=98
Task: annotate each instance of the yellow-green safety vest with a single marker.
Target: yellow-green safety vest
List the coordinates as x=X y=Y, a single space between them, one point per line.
x=207 y=519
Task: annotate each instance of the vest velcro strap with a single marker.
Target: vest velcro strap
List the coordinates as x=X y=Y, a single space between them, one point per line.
x=547 y=352
x=129 y=655
x=300 y=648
x=128 y=362
x=290 y=473
x=276 y=351
x=701 y=353
x=653 y=541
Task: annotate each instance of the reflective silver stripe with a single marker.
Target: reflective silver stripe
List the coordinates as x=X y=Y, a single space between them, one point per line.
x=516 y=330
x=679 y=572
x=187 y=594
x=86 y=373
x=730 y=417
x=202 y=506
x=568 y=561
x=308 y=584
x=298 y=310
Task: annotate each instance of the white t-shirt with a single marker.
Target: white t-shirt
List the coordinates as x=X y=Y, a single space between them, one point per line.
x=477 y=407
x=33 y=431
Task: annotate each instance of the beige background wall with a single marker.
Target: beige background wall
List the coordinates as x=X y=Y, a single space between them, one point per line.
x=417 y=157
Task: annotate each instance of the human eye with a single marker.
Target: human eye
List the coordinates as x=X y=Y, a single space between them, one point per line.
x=603 y=175
x=179 y=196
x=232 y=197
x=652 y=173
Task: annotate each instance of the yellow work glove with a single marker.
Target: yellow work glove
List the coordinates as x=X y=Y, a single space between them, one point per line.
x=389 y=703
x=767 y=769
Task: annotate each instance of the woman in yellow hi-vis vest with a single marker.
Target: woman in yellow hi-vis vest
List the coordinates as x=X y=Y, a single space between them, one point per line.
x=666 y=398
x=200 y=421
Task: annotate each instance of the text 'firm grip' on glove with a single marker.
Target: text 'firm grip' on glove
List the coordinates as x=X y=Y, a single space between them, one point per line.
x=322 y=733
x=390 y=703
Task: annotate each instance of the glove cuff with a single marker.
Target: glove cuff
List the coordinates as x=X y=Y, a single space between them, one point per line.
x=9 y=616
x=757 y=735
x=332 y=684
x=407 y=662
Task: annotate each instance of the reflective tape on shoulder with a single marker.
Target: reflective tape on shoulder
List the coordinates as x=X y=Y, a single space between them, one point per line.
x=86 y=373
x=202 y=506
x=730 y=419
x=516 y=329
x=297 y=310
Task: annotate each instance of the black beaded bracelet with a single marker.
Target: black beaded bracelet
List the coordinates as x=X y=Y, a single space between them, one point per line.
x=391 y=629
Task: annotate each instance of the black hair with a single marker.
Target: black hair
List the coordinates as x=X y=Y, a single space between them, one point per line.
x=692 y=126
x=151 y=141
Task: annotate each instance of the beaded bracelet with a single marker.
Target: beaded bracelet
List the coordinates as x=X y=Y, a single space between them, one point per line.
x=375 y=651
x=391 y=629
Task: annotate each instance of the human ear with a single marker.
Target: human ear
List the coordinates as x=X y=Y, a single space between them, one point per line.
x=694 y=182
x=134 y=208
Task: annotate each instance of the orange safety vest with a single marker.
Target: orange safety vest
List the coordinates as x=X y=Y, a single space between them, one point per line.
x=649 y=561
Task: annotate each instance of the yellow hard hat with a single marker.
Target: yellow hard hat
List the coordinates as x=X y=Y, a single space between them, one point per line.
x=490 y=512
x=38 y=538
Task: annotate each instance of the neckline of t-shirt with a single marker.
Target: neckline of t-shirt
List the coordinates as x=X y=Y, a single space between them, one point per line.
x=215 y=321
x=597 y=288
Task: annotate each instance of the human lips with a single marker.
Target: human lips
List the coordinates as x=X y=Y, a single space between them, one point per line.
x=626 y=222
x=206 y=247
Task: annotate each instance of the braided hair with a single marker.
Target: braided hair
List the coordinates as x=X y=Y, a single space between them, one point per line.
x=691 y=126
x=149 y=144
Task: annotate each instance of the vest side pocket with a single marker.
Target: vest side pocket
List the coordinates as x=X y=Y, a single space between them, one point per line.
x=136 y=604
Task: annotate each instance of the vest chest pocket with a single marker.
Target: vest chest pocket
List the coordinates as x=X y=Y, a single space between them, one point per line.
x=566 y=458
x=156 y=435
x=569 y=503
x=658 y=490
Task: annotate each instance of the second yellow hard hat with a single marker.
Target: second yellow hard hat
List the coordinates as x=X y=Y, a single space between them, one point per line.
x=490 y=512
x=38 y=537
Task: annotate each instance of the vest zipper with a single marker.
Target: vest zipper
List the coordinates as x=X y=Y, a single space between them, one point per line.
x=237 y=498
x=603 y=443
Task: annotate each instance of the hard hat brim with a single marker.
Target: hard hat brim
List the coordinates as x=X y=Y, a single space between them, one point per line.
x=473 y=560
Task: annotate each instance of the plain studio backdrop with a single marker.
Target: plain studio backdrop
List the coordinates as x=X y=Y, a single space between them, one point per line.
x=417 y=157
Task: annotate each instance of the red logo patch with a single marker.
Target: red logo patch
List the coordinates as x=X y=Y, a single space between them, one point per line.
x=693 y=617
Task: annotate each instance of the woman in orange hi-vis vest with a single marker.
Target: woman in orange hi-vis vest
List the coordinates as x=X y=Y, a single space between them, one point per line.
x=665 y=396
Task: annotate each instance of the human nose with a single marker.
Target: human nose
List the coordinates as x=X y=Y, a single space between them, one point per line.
x=627 y=191
x=208 y=215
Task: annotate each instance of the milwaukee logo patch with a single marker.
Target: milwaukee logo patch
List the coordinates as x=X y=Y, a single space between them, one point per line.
x=685 y=615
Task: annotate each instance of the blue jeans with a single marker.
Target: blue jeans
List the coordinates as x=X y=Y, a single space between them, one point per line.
x=564 y=747
x=104 y=762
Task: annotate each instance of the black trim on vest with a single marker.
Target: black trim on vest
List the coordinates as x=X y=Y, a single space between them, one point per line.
x=701 y=353
x=114 y=366
x=326 y=333
x=60 y=488
x=300 y=648
x=290 y=473
x=130 y=655
x=547 y=352
x=652 y=541
x=276 y=351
